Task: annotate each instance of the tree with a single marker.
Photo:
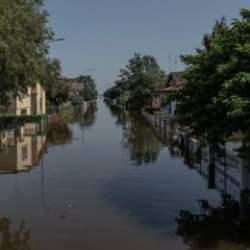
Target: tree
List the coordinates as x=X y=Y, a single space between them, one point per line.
x=57 y=88
x=215 y=101
x=141 y=76
x=90 y=92
x=24 y=43
x=112 y=93
x=235 y=93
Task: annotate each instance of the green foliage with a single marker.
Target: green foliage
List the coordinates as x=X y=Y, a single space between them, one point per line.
x=216 y=100
x=57 y=88
x=166 y=100
x=140 y=77
x=90 y=92
x=24 y=39
x=59 y=133
x=112 y=93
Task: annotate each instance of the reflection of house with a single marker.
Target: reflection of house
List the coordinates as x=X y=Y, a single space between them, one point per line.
x=19 y=151
x=31 y=103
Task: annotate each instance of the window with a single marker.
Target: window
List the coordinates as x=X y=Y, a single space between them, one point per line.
x=23 y=111
x=24 y=153
x=41 y=104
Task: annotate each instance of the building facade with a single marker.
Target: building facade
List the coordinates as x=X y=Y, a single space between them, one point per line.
x=31 y=103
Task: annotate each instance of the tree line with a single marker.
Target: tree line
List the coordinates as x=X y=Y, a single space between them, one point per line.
x=215 y=101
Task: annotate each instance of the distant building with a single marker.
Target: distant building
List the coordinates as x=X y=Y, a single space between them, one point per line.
x=75 y=88
x=31 y=103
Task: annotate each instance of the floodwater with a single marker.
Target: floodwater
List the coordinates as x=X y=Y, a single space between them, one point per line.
x=103 y=180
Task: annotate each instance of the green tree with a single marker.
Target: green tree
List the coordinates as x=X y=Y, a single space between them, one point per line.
x=57 y=87
x=90 y=92
x=24 y=43
x=215 y=101
x=235 y=93
x=112 y=93
x=141 y=76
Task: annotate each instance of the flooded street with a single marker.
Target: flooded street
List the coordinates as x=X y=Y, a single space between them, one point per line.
x=103 y=181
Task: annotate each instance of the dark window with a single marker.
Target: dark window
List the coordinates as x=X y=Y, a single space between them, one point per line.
x=24 y=112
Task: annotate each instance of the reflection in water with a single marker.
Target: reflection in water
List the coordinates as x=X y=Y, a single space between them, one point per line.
x=229 y=175
x=14 y=240
x=211 y=226
x=59 y=132
x=84 y=194
x=138 y=138
x=88 y=118
x=227 y=222
x=21 y=148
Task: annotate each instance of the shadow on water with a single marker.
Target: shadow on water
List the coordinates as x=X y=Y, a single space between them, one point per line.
x=228 y=222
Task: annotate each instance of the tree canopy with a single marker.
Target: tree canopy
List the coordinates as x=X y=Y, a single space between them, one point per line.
x=90 y=91
x=24 y=43
x=216 y=100
x=140 y=77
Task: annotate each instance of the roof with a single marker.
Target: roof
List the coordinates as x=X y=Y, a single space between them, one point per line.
x=175 y=82
x=175 y=79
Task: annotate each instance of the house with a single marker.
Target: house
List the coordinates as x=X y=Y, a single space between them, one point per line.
x=175 y=82
x=31 y=103
x=153 y=103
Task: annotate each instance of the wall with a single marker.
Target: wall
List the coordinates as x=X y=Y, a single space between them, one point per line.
x=23 y=104
x=39 y=94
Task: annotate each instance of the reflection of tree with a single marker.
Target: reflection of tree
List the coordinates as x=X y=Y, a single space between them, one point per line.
x=139 y=139
x=89 y=117
x=229 y=223
x=14 y=240
x=59 y=133
x=116 y=113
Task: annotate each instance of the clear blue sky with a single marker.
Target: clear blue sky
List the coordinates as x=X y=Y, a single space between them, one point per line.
x=104 y=34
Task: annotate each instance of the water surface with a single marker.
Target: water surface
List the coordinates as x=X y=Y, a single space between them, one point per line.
x=102 y=181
